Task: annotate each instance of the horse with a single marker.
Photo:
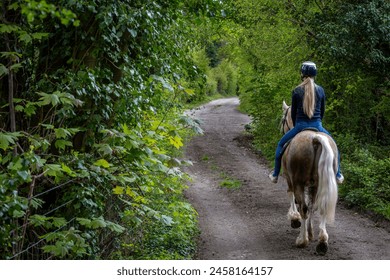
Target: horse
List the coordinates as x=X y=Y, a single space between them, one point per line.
x=309 y=165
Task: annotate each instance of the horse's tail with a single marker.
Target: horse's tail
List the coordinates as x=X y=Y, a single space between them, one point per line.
x=327 y=186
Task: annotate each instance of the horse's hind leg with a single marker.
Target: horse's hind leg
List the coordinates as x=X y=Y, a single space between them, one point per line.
x=305 y=211
x=293 y=214
x=322 y=246
x=303 y=239
x=312 y=195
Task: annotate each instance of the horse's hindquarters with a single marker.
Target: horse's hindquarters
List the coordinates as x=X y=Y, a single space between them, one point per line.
x=299 y=160
x=309 y=168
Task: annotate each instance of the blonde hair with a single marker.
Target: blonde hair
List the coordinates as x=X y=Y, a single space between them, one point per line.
x=309 y=99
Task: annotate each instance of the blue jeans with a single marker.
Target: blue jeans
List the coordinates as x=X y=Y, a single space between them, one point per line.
x=290 y=134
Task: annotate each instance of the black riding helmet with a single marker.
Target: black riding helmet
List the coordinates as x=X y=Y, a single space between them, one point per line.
x=308 y=69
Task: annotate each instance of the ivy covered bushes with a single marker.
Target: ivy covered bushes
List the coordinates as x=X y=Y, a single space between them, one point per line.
x=91 y=128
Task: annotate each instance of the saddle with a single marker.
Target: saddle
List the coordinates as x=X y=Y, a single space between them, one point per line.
x=288 y=142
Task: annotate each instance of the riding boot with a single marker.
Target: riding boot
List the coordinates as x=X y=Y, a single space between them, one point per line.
x=274 y=179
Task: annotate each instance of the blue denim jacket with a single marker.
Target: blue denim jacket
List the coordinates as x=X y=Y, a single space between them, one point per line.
x=297 y=113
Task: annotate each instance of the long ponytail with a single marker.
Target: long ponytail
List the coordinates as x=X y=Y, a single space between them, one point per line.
x=309 y=98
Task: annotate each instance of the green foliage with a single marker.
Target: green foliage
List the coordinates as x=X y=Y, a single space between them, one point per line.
x=216 y=71
x=216 y=78
x=368 y=181
x=225 y=77
x=352 y=42
x=360 y=19
x=91 y=129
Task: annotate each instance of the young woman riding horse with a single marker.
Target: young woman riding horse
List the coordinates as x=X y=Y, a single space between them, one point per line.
x=307 y=111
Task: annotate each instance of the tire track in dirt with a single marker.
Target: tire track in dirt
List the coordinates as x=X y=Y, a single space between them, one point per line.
x=250 y=222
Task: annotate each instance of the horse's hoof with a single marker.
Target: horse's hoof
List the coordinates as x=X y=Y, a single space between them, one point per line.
x=322 y=248
x=301 y=243
x=295 y=223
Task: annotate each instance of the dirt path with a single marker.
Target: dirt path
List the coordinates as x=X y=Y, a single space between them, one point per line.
x=250 y=222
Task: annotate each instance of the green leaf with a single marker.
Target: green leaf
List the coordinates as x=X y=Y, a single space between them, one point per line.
x=30 y=109
x=39 y=36
x=11 y=55
x=8 y=28
x=14 y=6
x=62 y=144
x=51 y=236
x=19 y=108
x=36 y=203
x=53 y=170
x=49 y=249
x=57 y=250
x=15 y=67
x=58 y=222
x=128 y=179
x=84 y=221
x=162 y=168
x=189 y=91
x=25 y=37
x=176 y=141
x=126 y=130
x=18 y=213
x=167 y=220
x=132 y=32
x=102 y=163
x=8 y=138
x=25 y=175
x=62 y=133
x=98 y=223
x=104 y=148
x=164 y=83
x=115 y=227
x=47 y=99
x=47 y=126
x=118 y=190
x=16 y=164
x=38 y=220
x=67 y=170
x=3 y=70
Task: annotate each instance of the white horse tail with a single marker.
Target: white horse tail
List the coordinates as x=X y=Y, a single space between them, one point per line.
x=327 y=186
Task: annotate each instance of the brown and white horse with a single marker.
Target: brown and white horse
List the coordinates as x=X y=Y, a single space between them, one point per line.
x=309 y=165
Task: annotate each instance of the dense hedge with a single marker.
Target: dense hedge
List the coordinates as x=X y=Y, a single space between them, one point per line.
x=91 y=129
